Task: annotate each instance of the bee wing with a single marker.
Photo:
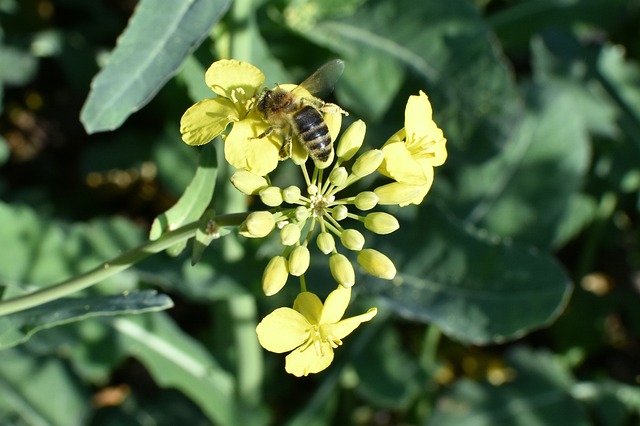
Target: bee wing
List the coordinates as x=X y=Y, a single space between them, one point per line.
x=321 y=82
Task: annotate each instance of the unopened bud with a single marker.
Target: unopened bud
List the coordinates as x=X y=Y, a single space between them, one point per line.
x=299 y=261
x=271 y=196
x=342 y=270
x=339 y=212
x=338 y=176
x=325 y=242
x=302 y=213
x=366 y=200
x=381 y=223
x=367 y=163
x=275 y=275
x=248 y=183
x=352 y=239
x=290 y=234
x=377 y=264
x=291 y=194
x=351 y=140
x=257 y=225
x=399 y=193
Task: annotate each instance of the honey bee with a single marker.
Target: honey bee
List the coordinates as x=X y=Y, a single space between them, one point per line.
x=292 y=114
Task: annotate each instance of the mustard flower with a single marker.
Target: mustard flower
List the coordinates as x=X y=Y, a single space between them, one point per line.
x=411 y=154
x=311 y=330
x=236 y=84
x=298 y=213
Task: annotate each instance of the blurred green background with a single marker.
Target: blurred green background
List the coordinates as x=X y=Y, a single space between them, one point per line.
x=516 y=301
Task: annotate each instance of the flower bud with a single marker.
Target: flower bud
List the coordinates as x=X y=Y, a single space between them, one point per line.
x=398 y=193
x=342 y=270
x=325 y=242
x=367 y=163
x=340 y=212
x=271 y=196
x=366 y=200
x=290 y=234
x=351 y=140
x=299 y=261
x=377 y=264
x=257 y=225
x=291 y=194
x=248 y=183
x=338 y=176
x=352 y=239
x=275 y=275
x=381 y=223
x=302 y=213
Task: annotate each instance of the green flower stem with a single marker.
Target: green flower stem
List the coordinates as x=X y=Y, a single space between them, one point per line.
x=112 y=267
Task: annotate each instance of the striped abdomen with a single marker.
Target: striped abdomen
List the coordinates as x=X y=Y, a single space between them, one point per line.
x=313 y=132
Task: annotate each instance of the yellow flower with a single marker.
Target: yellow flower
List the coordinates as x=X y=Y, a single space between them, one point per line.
x=236 y=84
x=312 y=331
x=411 y=154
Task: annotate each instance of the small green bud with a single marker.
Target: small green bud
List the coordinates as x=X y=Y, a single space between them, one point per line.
x=299 y=261
x=248 y=183
x=342 y=270
x=325 y=242
x=291 y=194
x=366 y=200
x=351 y=140
x=339 y=212
x=367 y=163
x=275 y=275
x=381 y=223
x=352 y=239
x=271 y=196
x=377 y=264
x=338 y=176
x=302 y=214
x=290 y=234
x=257 y=225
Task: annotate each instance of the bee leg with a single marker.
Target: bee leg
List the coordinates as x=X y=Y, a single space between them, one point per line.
x=286 y=148
x=332 y=109
x=266 y=133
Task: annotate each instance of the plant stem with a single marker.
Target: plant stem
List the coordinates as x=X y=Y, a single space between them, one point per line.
x=112 y=267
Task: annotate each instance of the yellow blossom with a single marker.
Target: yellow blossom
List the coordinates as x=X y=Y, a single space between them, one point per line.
x=236 y=84
x=411 y=154
x=310 y=330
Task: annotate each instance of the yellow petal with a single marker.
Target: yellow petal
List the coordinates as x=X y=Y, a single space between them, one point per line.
x=398 y=164
x=309 y=305
x=417 y=116
x=306 y=360
x=347 y=325
x=283 y=330
x=335 y=305
x=235 y=80
x=243 y=151
x=205 y=120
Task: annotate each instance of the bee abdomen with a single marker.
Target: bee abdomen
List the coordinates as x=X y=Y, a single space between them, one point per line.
x=313 y=132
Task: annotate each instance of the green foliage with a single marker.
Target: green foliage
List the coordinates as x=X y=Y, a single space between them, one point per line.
x=540 y=105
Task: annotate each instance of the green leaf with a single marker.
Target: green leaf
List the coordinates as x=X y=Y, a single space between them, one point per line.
x=159 y=37
x=477 y=290
x=40 y=390
x=19 y=327
x=539 y=395
x=176 y=360
x=45 y=251
x=524 y=191
x=446 y=46
x=193 y=203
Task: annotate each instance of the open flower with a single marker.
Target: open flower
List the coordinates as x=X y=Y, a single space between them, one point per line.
x=312 y=331
x=236 y=84
x=411 y=154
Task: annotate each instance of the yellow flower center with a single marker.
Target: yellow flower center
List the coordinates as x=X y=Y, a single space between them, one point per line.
x=420 y=147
